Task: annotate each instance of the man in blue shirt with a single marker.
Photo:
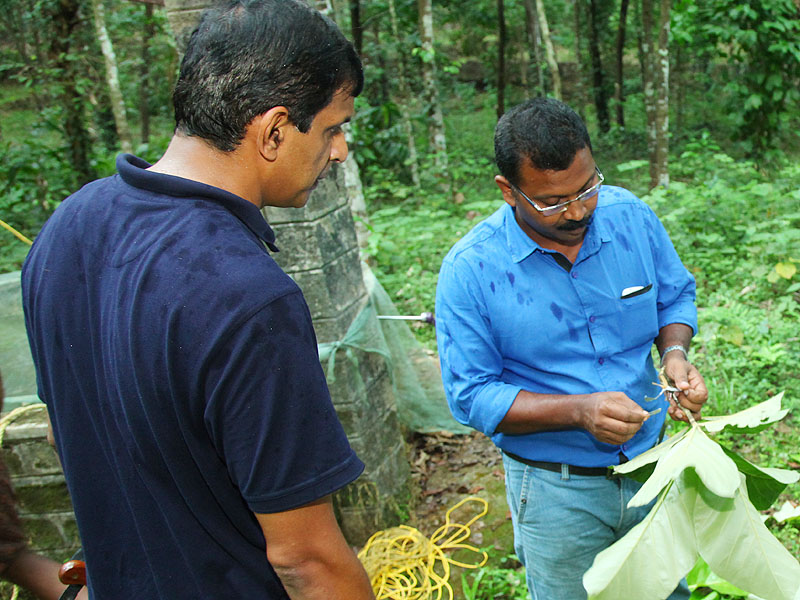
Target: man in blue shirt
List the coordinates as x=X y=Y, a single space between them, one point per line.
x=546 y=315
x=177 y=361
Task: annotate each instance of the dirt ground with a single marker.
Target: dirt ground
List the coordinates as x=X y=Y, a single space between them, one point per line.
x=447 y=468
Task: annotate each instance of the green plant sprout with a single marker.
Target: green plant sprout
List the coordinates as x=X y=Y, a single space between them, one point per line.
x=708 y=498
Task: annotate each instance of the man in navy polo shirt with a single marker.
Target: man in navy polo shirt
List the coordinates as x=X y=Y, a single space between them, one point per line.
x=177 y=361
x=546 y=314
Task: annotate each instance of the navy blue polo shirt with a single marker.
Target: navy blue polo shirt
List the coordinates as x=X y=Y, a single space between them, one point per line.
x=180 y=369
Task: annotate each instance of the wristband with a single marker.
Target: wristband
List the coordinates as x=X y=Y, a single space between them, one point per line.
x=675 y=347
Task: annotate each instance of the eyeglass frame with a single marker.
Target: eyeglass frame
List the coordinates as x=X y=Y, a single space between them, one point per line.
x=557 y=209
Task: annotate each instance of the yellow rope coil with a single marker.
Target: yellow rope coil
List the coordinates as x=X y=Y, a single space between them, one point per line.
x=16 y=414
x=403 y=564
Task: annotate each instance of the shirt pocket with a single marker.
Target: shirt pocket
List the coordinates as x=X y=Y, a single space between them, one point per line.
x=635 y=320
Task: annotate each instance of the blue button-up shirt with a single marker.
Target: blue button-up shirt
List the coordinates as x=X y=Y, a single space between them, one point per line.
x=510 y=317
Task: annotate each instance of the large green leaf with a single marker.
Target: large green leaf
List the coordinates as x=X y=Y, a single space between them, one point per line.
x=738 y=547
x=642 y=466
x=662 y=546
x=786 y=511
x=687 y=521
x=764 y=484
x=751 y=419
x=695 y=449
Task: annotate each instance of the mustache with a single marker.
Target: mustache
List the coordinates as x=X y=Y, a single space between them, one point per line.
x=573 y=225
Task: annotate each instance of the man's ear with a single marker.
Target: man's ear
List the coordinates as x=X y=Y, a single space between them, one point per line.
x=508 y=192
x=270 y=130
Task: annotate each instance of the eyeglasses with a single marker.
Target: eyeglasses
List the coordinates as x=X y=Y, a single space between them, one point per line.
x=549 y=211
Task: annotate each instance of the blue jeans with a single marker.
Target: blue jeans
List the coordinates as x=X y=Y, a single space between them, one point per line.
x=562 y=521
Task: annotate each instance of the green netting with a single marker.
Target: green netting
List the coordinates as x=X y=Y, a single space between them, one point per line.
x=19 y=376
x=416 y=381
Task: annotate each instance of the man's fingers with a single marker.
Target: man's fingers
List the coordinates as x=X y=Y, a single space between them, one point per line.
x=615 y=418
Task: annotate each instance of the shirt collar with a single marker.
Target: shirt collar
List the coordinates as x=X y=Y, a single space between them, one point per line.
x=133 y=171
x=521 y=246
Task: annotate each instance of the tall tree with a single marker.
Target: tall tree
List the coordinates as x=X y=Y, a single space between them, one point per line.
x=501 y=58
x=577 y=7
x=620 y=84
x=646 y=61
x=404 y=98
x=661 y=151
x=535 y=40
x=654 y=56
x=550 y=52
x=144 y=74
x=112 y=76
x=356 y=26
x=598 y=77
x=65 y=17
x=433 y=110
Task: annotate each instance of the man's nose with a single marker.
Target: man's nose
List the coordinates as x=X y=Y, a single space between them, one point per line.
x=575 y=210
x=339 y=148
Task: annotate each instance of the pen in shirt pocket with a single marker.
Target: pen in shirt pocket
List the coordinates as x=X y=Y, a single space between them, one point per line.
x=636 y=290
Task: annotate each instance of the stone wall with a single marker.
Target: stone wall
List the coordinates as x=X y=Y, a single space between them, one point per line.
x=44 y=504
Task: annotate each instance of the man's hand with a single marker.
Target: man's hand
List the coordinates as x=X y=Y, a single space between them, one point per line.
x=684 y=376
x=612 y=417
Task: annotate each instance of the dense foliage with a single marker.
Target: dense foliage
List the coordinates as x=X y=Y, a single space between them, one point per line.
x=732 y=209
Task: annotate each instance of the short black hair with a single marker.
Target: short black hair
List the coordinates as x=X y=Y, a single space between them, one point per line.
x=248 y=56
x=545 y=131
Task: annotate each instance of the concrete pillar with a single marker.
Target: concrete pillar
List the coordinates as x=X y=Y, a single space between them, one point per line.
x=319 y=250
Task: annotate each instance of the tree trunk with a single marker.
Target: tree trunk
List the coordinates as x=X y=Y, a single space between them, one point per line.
x=534 y=39
x=356 y=27
x=647 y=60
x=662 y=98
x=550 y=52
x=383 y=94
x=112 y=77
x=679 y=86
x=66 y=18
x=433 y=110
x=144 y=75
x=580 y=91
x=623 y=17
x=598 y=79
x=501 y=58
x=352 y=176
x=404 y=99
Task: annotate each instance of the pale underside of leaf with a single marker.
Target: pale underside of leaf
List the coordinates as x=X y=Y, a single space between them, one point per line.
x=695 y=449
x=688 y=521
x=652 y=558
x=754 y=417
x=787 y=511
x=739 y=548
